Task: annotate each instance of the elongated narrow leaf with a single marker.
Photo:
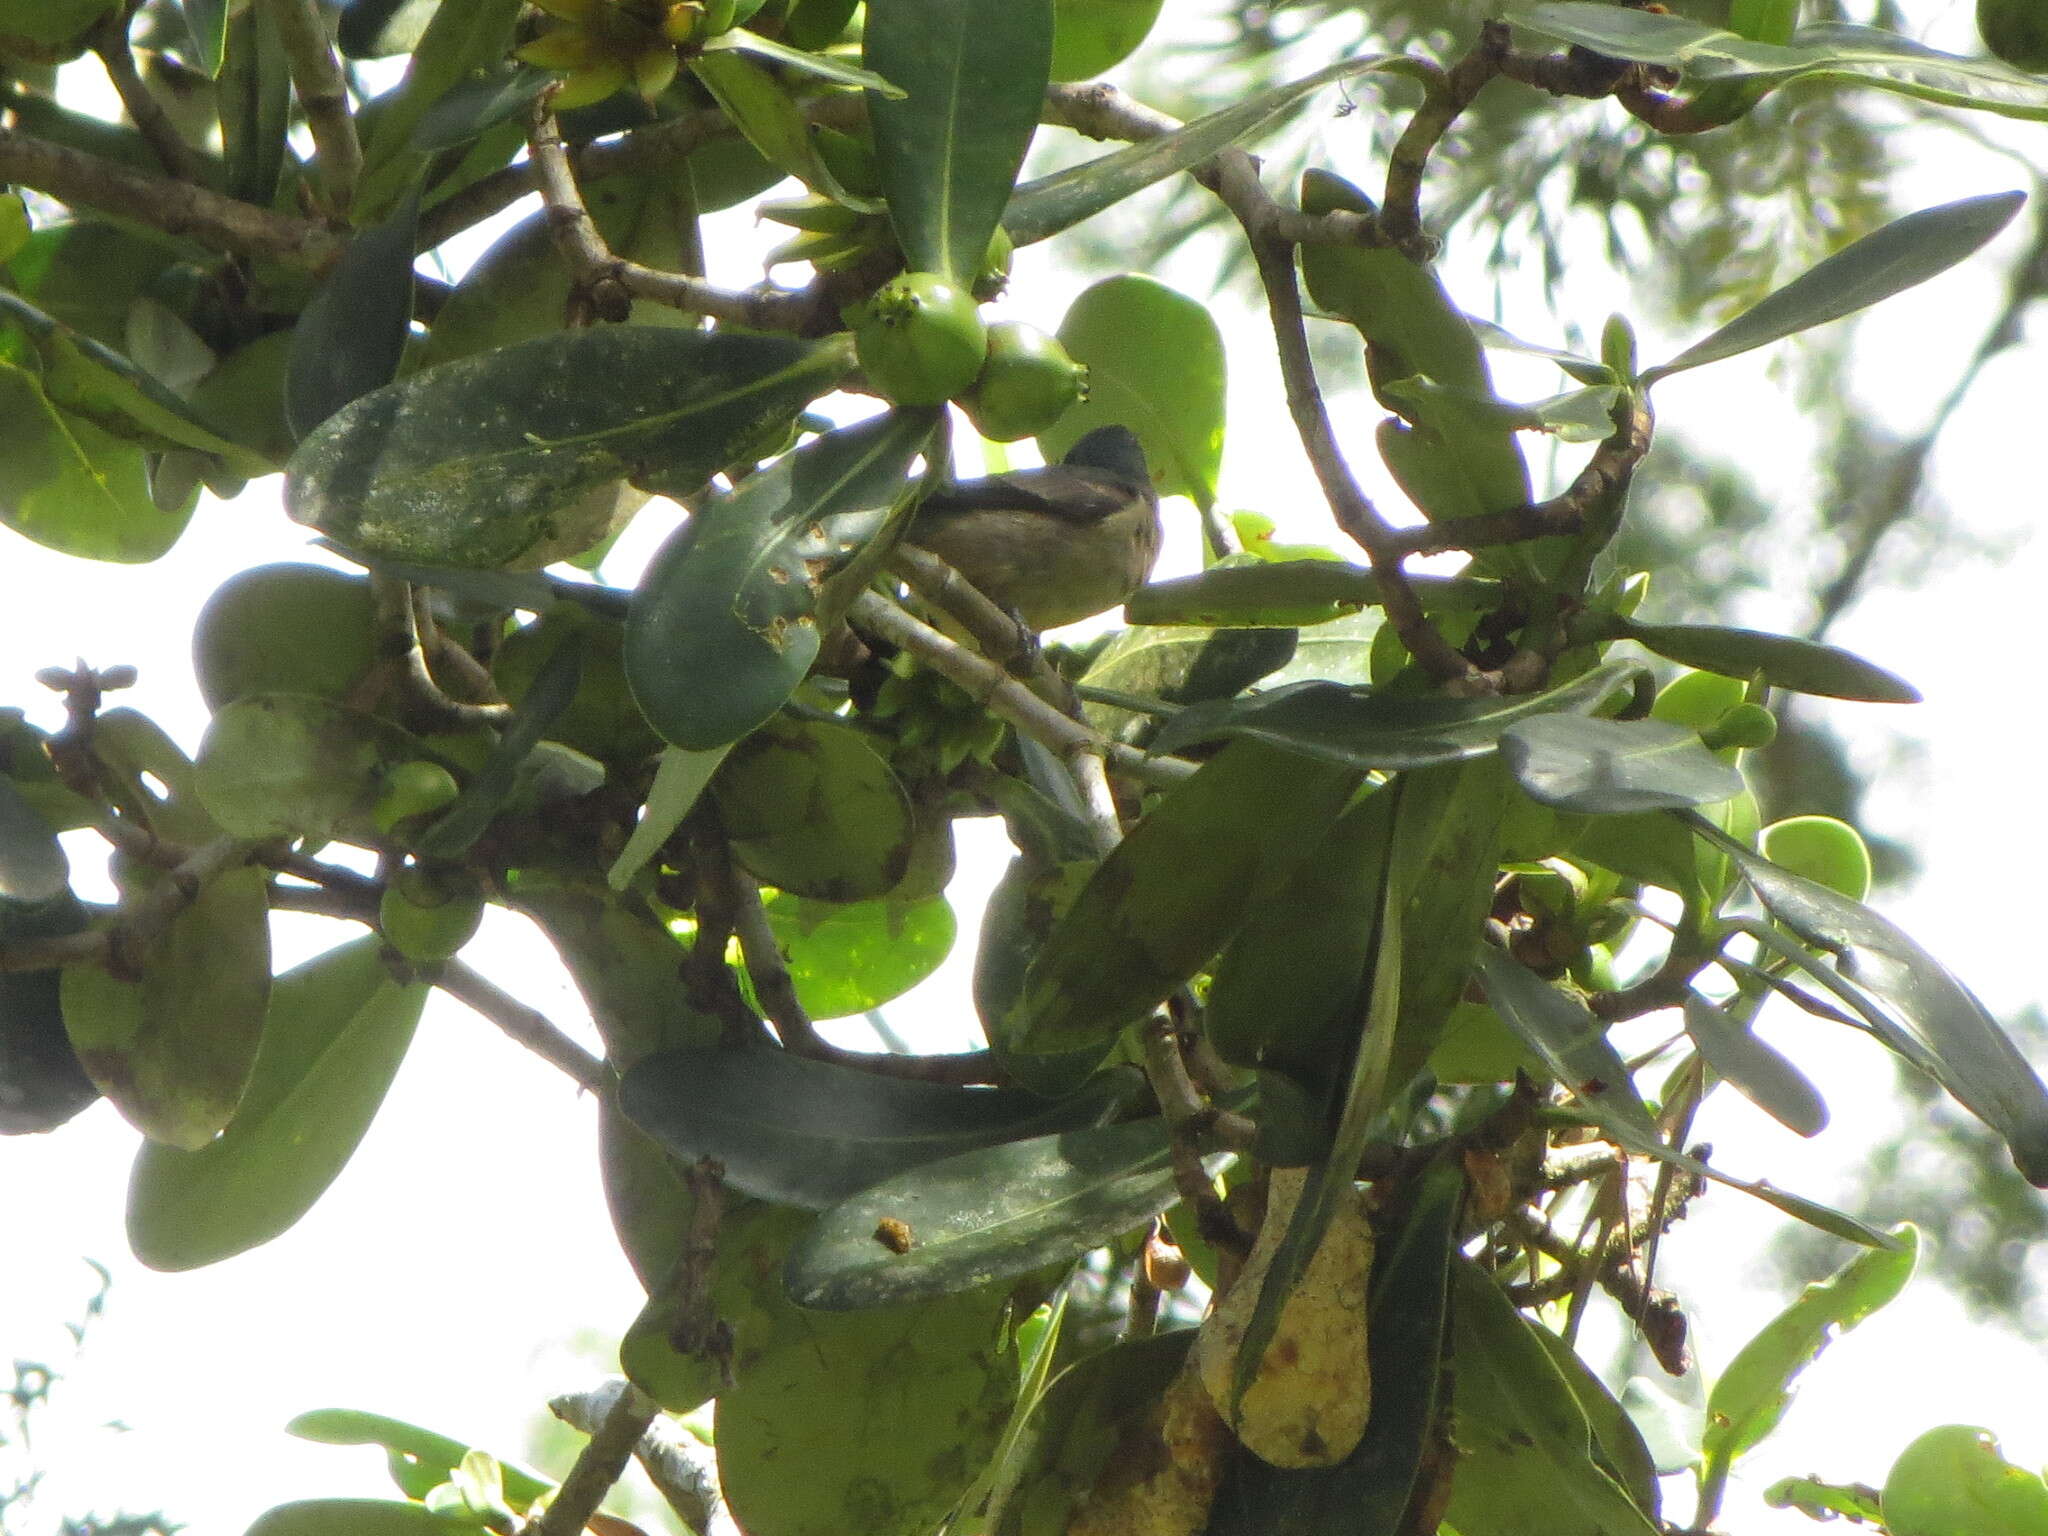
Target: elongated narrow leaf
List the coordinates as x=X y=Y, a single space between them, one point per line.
x=1753 y=1393
x=949 y=150
x=1903 y=254
x=207 y=21
x=1368 y=730
x=1614 y=767
x=495 y=782
x=1526 y=1449
x=350 y=338
x=479 y=103
x=336 y=1030
x=1173 y=891
x=1043 y=208
x=1912 y=1002
x=812 y=1134
x=679 y=779
x=420 y=1459
x=1755 y=1069
x=255 y=91
x=1783 y=661
x=1289 y=594
x=474 y=463
x=725 y=623
x=983 y=1216
x=822 y=66
x=459 y=40
x=763 y=111
x=357 y=1517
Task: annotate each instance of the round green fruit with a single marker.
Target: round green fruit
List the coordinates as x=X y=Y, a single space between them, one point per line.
x=1953 y=1482
x=1829 y=852
x=2015 y=31
x=1697 y=699
x=920 y=339
x=283 y=628
x=1025 y=386
x=417 y=788
x=427 y=914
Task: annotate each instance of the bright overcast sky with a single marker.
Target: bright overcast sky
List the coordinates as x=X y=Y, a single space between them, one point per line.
x=441 y=1276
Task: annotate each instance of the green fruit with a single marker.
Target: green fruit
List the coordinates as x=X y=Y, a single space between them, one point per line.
x=920 y=340
x=283 y=628
x=1026 y=385
x=2015 y=31
x=417 y=788
x=428 y=912
x=1697 y=699
x=1822 y=849
x=1952 y=1482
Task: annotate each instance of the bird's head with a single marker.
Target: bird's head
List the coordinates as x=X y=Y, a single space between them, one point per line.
x=1115 y=449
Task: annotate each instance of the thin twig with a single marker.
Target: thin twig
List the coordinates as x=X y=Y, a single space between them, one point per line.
x=682 y=1468
x=1447 y=96
x=1004 y=695
x=121 y=945
x=598 y=1467
x=399 y=643
x=110 y=41
x=323 y=92
x=529 y=1026
x=1001 y=637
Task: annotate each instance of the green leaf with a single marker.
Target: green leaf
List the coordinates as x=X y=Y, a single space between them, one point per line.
x=293 y=765
x=1526 y=1463
x=889 y=1416
x=822 y=66
x=725 y=623
x=949 y=150
x=810 y=1134
x=1618 y=1447
x=1090 y=36
x=679 y=779
x=461 y=43
x=207 y=21
x=1240 y=592
x=479 y=103
x=502 y=775
x=1043 y=208
x=1951 y=1481
x=52 y=23
x=1911 y=1002
x=33 y=868
x=1367 y=1493
x=1823 y=1501
x=985 y=1215
x=764 y=113
x=350 y=338
x=1173 y=891
x=41 y=1083
x=1155 y=364
x=255 y=90
x=1756 y=1388
x=1364 y=729
x=846 y=958
x=1783 y=661
x=1754 y=1068
x=359 y=1517
x=1614 y=767
x=71 y=485
x=420 y=1459
x=336 y=1029
x=174 y=1048
x=1901 y=255
x=15 y=228
x=473 y=462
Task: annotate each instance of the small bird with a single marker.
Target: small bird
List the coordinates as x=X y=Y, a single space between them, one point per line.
x=1054 y=544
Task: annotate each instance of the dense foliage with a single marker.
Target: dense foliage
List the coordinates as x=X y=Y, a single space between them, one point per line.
x=1372 y=939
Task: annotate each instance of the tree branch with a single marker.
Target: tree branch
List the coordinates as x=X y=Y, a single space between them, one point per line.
x=600 y=1464
x=120 y=946
x=110 y=42
x=1447 y=96
x=529 y=1026
x=323 y=92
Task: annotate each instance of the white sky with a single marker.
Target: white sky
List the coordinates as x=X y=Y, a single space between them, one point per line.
x=439 y=1277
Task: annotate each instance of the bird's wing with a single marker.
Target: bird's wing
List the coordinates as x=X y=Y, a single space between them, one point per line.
x=1079 y=496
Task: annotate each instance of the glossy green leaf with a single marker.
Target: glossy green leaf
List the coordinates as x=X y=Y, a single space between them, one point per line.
x=1155 y=364
x=359 y=1517
x=1823 y=1501
x=1753 y=1393
x=1526 y=1464
x=846 y=958
x=1618 y=1447
x=1754 y=1068
x=1369 y=1491
x=949 y=150
x=1358 y=727
x=459 y=41
x=811 y=806
x=1783 y=661
x=350 y=339
x=888 y=1415
x=1571 y=1041
x=1951 y=1481
x=1912 y=1003
x=15 y=228
x=1173 y=891
x=1901 y=255
x=821 y=66
x=336 y=1030
x=984 y=1216
x=766 y=115
x=811 y=1134
x=1090 y=36
x=1022 y=911
x=1043 y=208
x=72 y=486
x=207 y=21
x=479 y=103
x=473 y=463
x=726 y=621
x=255 y=91
x=1614 y=767
x=174 y=1048
x=420 y=1459
x=33 y=868
x=292 y=765
x=678 y=781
